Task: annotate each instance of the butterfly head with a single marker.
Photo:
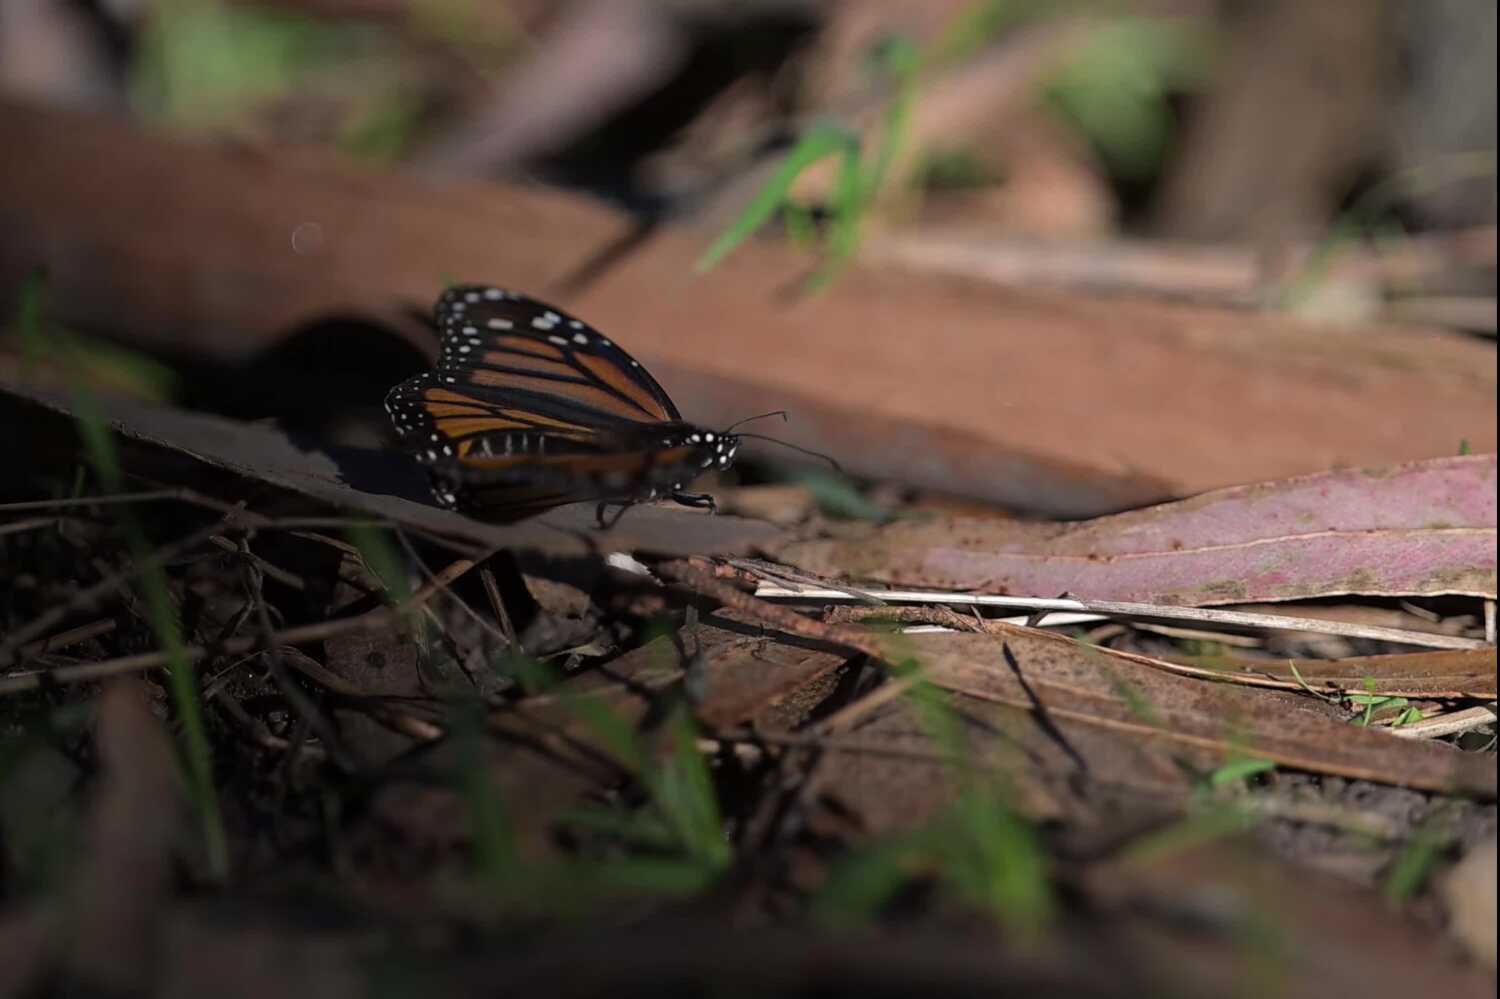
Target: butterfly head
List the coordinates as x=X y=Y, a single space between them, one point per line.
x=711 y=451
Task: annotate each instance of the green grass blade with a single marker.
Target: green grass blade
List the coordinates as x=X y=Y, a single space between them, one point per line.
x=1410 y=871
x=617 y=736
x=494 y=840
x=848 y=208
x=684 y=792
x=99 y=447
x=902 y=61
x=999 y=861
x=187 y=701
x=1236 y=771
x=860 y=884
x=822 y=141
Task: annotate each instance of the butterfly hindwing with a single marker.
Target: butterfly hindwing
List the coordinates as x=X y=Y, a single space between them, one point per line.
x=625 y=475
x=440 y=423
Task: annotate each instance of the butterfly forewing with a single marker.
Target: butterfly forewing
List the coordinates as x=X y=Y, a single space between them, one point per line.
x=534 y=353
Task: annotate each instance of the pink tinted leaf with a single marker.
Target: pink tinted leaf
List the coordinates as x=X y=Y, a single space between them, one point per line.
x=1420 y=529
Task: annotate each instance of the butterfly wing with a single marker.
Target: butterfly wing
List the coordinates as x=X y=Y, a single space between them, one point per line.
x=511 y=364
x=521 y=484
x=529 y=406
x=554 y=363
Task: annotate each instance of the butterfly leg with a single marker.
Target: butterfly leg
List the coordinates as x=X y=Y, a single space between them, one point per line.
x=697 y=500
x=605 y=523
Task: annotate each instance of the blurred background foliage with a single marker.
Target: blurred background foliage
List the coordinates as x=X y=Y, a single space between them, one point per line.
x=669 y=106
x=1162 y=140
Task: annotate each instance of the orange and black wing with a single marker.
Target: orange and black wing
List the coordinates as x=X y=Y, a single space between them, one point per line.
x=530 y=403
x=521 y=374
x=527 y=356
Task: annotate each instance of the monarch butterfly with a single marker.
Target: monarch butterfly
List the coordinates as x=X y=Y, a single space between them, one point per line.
x=530 y=408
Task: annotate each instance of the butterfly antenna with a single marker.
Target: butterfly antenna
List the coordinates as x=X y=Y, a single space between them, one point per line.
x=751 y=419
x=807 y=451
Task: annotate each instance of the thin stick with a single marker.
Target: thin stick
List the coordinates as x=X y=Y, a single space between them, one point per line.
x=837 y=744
x=300 y=702
x=86 y=598
x=72 y=636
x=703 y=581
x=180 y=495
x=374 y=620
x=462 y=604
x=250 y=518
x=1207 y=615
x=845 y=717
x=1450 y=723
x=497 y=604
x=277 y=573
x=32 y=524
x=762 y=571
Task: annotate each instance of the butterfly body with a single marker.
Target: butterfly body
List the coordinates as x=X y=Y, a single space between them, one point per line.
x=529 y=408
